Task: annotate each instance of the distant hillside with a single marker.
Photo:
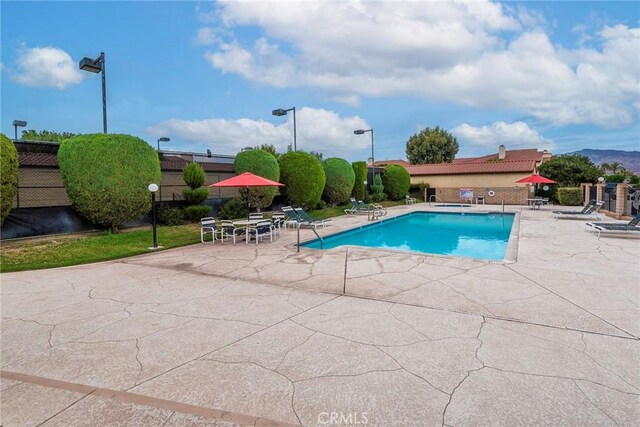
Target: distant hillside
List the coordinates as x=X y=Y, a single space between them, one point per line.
x=629 y=159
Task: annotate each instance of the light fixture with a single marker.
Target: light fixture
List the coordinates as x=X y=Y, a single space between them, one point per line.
x=601 y=179
x=208 y=153
x=18 y=124
x=98 y=66
x=279 y=112
x=362 y=132
x=163 y=139
x=153 y=188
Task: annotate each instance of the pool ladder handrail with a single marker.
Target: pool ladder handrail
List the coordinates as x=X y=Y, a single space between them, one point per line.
x=315 y=232
x=436 y=198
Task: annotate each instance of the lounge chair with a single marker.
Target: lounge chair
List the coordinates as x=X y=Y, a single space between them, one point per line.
x=630 y=228
x=376 y=208
x=307 y=220
x=588 y=212
x=354 y=207
x=292 y=218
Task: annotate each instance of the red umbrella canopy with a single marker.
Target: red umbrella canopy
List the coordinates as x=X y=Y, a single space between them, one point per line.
x=536 y=179
x=247 y=179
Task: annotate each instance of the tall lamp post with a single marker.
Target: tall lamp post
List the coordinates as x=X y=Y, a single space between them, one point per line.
x=282 y=112
x=18 y=124
x=98 y=66
x=153 y=188
x=163 y=139
x=373 y=160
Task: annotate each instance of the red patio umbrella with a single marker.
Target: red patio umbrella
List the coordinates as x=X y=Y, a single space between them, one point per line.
x=536 y=179
x=246 y=180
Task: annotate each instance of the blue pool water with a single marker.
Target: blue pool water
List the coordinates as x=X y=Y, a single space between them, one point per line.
x=469 y=235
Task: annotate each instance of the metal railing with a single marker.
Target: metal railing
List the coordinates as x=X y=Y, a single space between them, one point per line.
x=434 y=197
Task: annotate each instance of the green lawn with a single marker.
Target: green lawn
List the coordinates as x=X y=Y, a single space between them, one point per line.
x=64 y=251
x=60 y=252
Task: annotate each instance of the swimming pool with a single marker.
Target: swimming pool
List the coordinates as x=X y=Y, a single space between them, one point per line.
x=469 y=235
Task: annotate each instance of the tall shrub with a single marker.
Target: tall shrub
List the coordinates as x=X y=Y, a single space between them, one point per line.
x=569 y=196
x=303 y=177
x=106 y=176
x=340 y=180
x=378 y=189
x=8 y=175
x=194 y=176
x=263 y=163
x=360 y=170
x=396 y=182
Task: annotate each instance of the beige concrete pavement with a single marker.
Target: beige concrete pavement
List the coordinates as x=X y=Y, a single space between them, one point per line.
x=246 y=334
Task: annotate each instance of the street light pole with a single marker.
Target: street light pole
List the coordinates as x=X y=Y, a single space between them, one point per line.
x=98 y=65
x=283 y=112
x=373 y=160
x=18 y=124
x=163 y=139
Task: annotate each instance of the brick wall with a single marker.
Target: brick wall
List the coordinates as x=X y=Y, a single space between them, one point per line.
x=511 y=196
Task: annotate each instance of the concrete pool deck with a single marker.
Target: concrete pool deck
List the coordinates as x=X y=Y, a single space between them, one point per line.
x=245 y=334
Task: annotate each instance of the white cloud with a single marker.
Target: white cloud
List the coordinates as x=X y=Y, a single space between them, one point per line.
x=513 y=135
x=317 y=130
x=441 y=51
x=47 y=67
x=206 y=36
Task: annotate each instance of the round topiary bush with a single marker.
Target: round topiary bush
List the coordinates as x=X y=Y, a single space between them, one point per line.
x=193 y=175
x=396 y=181
x=264 y=164
x=303 y=177
x=360 y=170
x=195 y=213
x=8 y=175
x=106 y=176
x=340 y=179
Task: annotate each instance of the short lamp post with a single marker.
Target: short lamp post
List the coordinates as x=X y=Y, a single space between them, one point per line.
x=163 y=139
x=98 y=66
x=18 y=124
x=153 y=188
x=282 y=112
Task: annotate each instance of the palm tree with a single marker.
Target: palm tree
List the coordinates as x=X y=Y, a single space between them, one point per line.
x=614 y=167
x=605 y=167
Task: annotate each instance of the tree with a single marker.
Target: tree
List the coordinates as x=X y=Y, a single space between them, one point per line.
x=614 y=166
x=45 y=135
x=263 y=163
x=396 y=181
x=605 y=167
x=432 y=146
x=8 y=175
x=269 y=148
x=570 y=170
x=377 y=189
x=340 y=179
x=303 y=177
x=106 y=176
x=194 y=176
x=359 y=188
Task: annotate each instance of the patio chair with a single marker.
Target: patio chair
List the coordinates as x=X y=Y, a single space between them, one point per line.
x=589 y=212
x=279 y=221
x=410 y=200
x=228 y=229
x=260 y=230
x=208 y=226
x=307 y=220
x=256 y=215
x=631 y=228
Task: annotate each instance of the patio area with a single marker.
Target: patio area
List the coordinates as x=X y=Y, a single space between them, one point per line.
x=265 y=335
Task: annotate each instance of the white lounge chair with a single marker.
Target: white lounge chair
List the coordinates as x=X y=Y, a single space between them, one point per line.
x=588 y=212
x=630 y=229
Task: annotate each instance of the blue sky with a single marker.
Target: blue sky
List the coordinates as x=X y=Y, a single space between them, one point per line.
x=556 y=75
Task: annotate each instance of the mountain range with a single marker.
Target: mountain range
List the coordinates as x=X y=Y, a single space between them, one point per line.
x=629 y=159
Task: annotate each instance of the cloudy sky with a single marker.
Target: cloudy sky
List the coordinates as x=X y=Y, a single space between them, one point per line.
x=556 y=75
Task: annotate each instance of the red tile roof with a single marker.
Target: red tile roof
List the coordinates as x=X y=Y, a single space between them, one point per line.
x=499 y=166
x=392 y=162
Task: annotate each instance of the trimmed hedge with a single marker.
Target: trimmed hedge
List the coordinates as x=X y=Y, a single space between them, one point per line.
x=195 y=196
x=262 y=163
x=569 y=196
x=396 y=182
x=106 y=176
x=196 y=212
x=233 y=209
x=359 y=189
x=340 y=179
x=303 y=177
x=167 y=215
x=8 y=175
